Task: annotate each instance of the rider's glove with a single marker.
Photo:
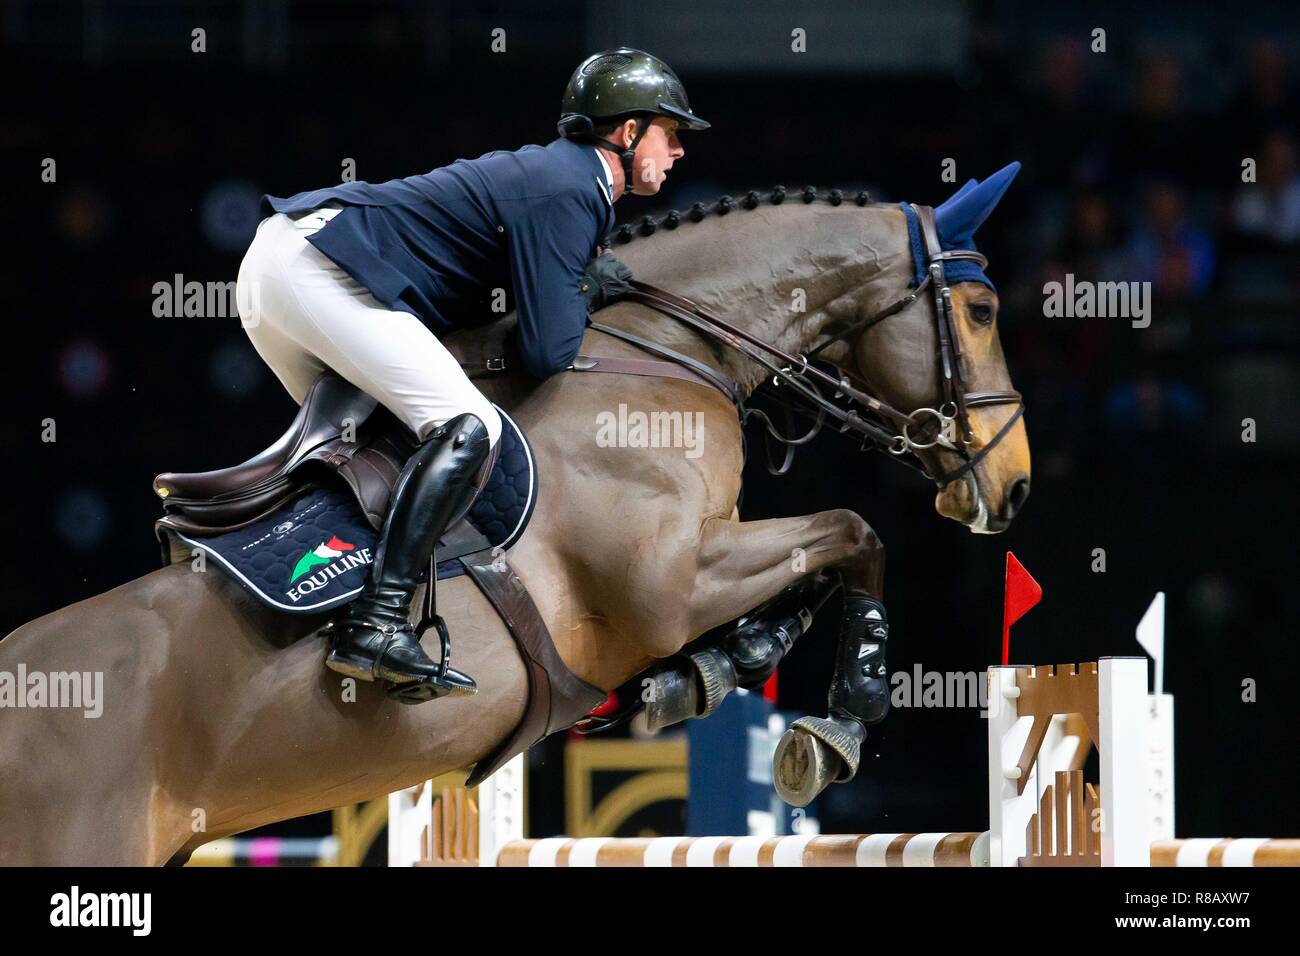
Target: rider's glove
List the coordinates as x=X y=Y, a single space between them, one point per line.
x=605 y=279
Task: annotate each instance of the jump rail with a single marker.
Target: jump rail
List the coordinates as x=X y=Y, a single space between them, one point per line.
x=268 y=851
x=1212 y=851
x=864 y=850
x=876 y=849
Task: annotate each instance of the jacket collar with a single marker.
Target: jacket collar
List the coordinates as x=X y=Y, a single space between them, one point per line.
x=587 y=159
x=605 y=168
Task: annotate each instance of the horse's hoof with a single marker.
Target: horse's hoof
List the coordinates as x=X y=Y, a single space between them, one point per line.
x=814 y=753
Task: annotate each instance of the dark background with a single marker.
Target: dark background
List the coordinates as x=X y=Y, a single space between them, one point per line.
x=1132 y=171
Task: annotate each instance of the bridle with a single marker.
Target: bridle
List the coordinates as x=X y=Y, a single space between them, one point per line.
x=879 y=424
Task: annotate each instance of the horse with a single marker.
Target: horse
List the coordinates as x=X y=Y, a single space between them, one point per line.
x=218 y=715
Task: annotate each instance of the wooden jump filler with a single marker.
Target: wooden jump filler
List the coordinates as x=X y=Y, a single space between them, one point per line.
x=1042 y=723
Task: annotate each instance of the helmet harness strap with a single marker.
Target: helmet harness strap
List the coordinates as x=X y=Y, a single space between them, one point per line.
x=627 y=155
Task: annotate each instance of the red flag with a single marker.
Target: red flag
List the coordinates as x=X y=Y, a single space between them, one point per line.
x=769 y=689
x=1022 y=593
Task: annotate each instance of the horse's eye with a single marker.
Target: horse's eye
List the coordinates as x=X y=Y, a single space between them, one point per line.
x=983 y=314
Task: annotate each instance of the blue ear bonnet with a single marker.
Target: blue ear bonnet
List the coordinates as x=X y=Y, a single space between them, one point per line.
x=956 y=221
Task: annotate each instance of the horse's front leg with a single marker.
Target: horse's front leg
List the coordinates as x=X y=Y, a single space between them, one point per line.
x=743 y=564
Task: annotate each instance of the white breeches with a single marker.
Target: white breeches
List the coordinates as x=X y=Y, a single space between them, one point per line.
x=304 y=314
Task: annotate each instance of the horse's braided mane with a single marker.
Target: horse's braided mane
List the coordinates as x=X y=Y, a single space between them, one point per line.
x=648 y=225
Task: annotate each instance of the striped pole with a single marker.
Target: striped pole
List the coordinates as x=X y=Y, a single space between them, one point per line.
x=876 y=849
x=1215 y=851
x=267 y=851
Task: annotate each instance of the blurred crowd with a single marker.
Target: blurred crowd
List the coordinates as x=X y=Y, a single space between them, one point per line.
x=1158 y=169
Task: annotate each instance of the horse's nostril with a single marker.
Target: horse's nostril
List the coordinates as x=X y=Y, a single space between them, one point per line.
x=1017 y=494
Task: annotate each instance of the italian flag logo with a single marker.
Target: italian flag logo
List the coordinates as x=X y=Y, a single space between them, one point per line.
x=319 y=556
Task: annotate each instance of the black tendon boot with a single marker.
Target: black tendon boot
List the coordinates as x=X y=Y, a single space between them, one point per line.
x=860 y=686
x=859 y=694
x=374 y=639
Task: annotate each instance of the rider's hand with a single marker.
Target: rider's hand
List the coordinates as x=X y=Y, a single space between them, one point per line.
x=605 y=279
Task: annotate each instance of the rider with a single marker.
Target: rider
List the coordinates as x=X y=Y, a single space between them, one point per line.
x=362 y=278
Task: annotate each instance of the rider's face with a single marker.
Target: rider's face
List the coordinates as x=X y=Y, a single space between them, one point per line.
x=655 y=154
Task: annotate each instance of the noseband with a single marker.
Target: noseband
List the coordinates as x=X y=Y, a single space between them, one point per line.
x=879 y=424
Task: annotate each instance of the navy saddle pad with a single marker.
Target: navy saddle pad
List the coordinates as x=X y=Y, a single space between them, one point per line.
x=314 y=552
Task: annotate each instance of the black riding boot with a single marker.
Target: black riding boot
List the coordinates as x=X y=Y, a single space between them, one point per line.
x=375 y=638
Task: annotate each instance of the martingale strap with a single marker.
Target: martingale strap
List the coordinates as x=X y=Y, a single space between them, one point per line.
x=678 y=365
x=788 y=369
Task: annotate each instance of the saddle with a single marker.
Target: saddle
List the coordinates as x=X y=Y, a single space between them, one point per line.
x=368 y=461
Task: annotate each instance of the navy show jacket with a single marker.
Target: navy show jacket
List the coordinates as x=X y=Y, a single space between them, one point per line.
x=432 y=244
